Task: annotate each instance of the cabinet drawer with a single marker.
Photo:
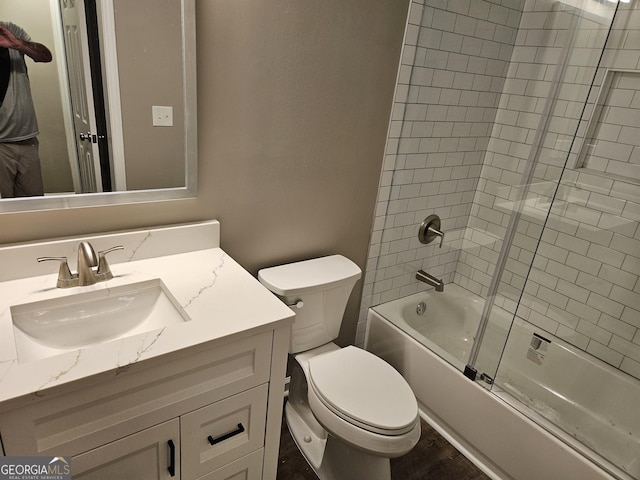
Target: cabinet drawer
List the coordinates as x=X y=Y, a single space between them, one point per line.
x=134 y=399
x=218 y=434
x=245 y=468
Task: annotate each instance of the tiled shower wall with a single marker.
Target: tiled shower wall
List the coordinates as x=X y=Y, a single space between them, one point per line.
x=583 y=286
x=526 y=110
x=453 y=69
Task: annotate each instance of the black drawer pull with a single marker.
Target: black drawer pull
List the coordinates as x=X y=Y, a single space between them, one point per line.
x=172 y=458
x=226 y=436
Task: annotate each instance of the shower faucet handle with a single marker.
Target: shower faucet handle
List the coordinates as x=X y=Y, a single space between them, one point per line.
x=430 y=230
x=436 y=232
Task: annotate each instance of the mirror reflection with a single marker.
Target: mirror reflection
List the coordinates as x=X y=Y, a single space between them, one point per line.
x=111 y=104
x=20 y=173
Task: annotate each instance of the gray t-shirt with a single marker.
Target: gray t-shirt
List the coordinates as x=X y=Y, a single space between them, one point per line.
x=17 y=114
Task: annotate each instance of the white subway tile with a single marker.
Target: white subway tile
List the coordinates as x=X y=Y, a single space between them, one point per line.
x=625 y=297
x=605 y=304
x=572 y=244
x=631 y=211
x=572 y=336
x=617 y=327
x=594 y=332
x=542 y=321
x=606 y=203
x=625 y=244
x=631 y=367
x=605 y=354
x=572 y=291
x=628 y=349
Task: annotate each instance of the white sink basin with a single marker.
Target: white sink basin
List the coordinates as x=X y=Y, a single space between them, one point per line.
x=50 y=327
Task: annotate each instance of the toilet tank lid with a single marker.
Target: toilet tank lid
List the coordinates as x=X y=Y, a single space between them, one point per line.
x=305 y=276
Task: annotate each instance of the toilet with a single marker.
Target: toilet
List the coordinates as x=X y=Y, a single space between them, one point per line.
x=348 y=411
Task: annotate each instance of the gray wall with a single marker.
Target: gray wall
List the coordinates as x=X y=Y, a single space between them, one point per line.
x=294 y=104
x=149 y=40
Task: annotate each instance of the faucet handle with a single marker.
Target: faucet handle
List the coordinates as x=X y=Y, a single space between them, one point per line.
x=65 y=277
x=430 y=229
x=435 y=231
x=103 y=265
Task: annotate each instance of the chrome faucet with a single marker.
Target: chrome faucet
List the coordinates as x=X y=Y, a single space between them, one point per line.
x=92 y=268
x=430 y=280
x=87 y=259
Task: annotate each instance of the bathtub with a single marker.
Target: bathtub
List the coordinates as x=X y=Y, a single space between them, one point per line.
x=496 y=429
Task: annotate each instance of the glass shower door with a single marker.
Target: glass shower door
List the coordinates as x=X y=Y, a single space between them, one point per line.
x=548 y=98
x=572 y=357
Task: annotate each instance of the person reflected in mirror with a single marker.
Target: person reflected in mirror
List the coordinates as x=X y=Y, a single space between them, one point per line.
x=20 y=173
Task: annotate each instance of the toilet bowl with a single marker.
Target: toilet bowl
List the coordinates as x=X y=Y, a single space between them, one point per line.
x=361 y=399
x=348 y=411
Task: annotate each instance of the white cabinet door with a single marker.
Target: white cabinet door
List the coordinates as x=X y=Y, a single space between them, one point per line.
x=153 y=453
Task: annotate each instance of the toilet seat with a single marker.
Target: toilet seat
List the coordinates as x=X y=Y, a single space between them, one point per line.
x=363 y=390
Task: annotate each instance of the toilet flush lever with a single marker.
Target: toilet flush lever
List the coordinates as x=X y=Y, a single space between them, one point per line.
x=296 y=304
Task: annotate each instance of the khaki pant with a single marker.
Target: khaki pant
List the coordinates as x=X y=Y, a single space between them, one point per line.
x=20 y=174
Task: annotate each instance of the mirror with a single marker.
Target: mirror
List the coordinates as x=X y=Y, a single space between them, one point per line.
x=126 y=68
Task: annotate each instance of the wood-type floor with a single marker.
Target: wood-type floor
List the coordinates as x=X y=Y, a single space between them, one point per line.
x=432 y=458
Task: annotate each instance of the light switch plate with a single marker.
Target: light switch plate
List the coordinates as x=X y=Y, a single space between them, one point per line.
x=162 y=116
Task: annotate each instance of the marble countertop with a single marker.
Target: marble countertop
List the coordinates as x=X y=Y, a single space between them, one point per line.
x=218 y=295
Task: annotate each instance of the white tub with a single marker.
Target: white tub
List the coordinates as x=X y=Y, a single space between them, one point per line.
x=495 y=429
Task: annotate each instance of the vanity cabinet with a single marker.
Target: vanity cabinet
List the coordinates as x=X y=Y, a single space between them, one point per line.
x=210 y=411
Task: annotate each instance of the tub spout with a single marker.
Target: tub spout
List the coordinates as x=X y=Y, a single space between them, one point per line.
x=430 y=280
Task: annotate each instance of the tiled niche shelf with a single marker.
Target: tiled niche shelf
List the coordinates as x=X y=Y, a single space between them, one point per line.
x=612 y=145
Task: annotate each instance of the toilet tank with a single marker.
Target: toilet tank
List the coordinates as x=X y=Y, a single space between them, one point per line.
x=323 y=285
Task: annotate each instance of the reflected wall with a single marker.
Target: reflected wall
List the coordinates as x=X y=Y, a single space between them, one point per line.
x=150 y=65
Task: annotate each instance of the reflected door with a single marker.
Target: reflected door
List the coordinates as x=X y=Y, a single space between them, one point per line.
x=80 y=85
